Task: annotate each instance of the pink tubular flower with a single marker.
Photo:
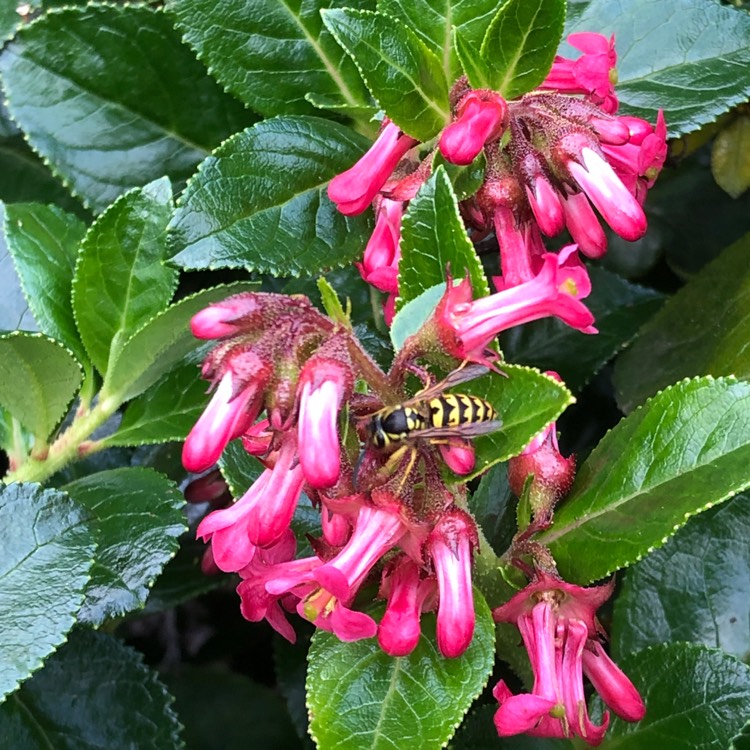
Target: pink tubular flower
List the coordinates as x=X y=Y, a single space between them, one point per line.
x=322 y=386
x=467 y=327
x=521 y=247
x=406 y=591
x=560 y=631
x=450 y=546
x=353 y=191
x=259 y=518
x=480 y=119
x=583 y=225
x=232 y=409
x=592 y=74
x=593 y=173
x=224 y=318
x=379 y=265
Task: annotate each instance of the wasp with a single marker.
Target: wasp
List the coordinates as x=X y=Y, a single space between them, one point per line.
x=433 y=415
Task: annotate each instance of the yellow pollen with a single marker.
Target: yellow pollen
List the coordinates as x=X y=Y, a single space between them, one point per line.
x=569 y=286
x=558 y=711
x=613 y=76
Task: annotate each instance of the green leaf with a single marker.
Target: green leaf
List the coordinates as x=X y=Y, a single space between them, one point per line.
x=432 y=21
x=476 y=68
x=405 y=77
x=228 y=708
x=136 y=516
x=160 y=344
x=696 y=699
x=271 y=54
x=359 y=697
x=64 y=76
x=466 y=180
x=94 y=693
x=43 y=242
x=684 y=450
x=526 y=402
x=260 y=201
x=695 y=588
x=9 y=18
x=38 y=380
x=168 y=410
x=25 y=177
x=701 y=330
x=120 y=280
x=290 y=662
x=620 y=308
x=493 y=507
x=433 y=238
x=43 y=572
x=520 y=44
x=688 y=57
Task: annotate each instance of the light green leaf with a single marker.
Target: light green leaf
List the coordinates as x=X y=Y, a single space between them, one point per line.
x=38 y=379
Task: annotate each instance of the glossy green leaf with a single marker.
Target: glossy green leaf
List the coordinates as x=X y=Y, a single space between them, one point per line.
x=405 y=77
x=168 y=410
x=43 y=242
x=466 y=180
x=38 y=380
x=701 y=330
x=136 y=516
x=695 y=588
x=476 y=68
x=681 y=452
x=271 y=54
x=94 y=693
x=493 y=506
x=120 y=279
x=620 y=308
x=432 y=21
x=25 y=177
x=112 y=98
x=521 y=43
x=696 y=699
x=526 y=402
x=47 y=554
x=215 y=704
x=359 y=697
x=160 y=344
x=260 y=201
x=433 y=240
x=688 y=57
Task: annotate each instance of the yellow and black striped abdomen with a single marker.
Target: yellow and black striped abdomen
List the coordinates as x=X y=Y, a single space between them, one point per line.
x=456 y=409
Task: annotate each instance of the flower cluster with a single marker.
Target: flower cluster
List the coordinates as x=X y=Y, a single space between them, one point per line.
x=553 y=159
x=282 y=373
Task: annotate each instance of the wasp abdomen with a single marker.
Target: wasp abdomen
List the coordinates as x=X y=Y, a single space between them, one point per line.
x=455 y=409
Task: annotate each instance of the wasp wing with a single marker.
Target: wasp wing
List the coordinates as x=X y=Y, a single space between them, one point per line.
x=462 y=375
x=468 y=430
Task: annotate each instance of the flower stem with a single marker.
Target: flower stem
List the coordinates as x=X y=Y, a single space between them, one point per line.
x=67 y=446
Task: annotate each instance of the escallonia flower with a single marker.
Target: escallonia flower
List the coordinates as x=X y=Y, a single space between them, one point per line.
x=563 y=639
x=466 y=327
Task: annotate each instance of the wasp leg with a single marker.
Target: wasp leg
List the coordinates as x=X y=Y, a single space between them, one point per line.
x=409 y=466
